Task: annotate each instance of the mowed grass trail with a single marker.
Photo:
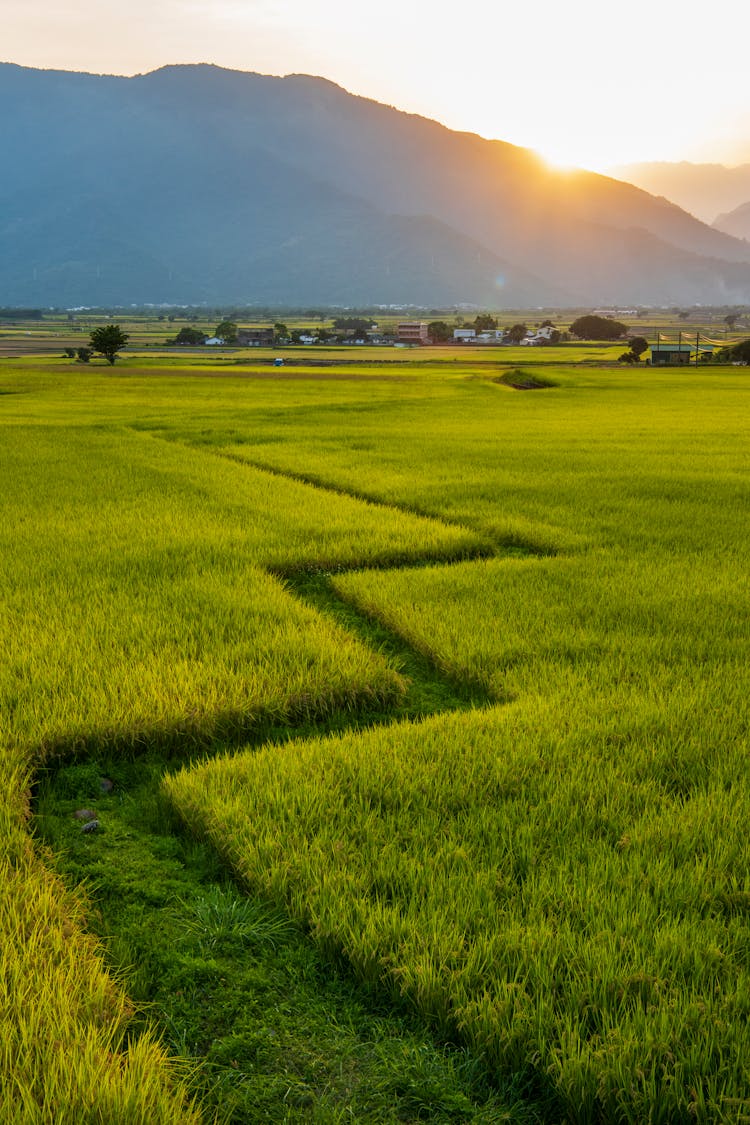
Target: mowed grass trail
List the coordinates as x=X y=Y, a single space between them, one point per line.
x=563 y=881
x=526 y=880
x=137 y=607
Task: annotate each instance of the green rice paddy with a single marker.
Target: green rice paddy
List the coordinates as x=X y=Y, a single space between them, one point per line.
x=556 y=881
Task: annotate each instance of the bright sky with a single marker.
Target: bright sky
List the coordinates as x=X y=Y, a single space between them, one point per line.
x=581 y=82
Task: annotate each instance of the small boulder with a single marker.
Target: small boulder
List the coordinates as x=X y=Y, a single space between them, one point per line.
x=84 y=814
x=90 y=826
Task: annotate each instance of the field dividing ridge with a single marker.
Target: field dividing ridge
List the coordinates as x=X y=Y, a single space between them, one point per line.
x=139 y=612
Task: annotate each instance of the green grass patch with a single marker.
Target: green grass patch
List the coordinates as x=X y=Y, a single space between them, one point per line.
x=523 y=381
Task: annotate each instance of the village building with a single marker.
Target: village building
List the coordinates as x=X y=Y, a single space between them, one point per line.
x=413 y=332
x=540 y=336
x=255 y=337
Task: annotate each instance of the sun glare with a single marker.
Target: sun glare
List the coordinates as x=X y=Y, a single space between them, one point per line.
x=569 y=158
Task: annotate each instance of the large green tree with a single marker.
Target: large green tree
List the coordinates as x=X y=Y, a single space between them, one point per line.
x=439 y=332
x=108 y=341
x=594 y=327
x=189 y=336
x=226 y=330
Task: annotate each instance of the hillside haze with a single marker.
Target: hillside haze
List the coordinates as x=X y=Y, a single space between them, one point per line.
x=195 y=183
x=736 y=222
x=708 y=191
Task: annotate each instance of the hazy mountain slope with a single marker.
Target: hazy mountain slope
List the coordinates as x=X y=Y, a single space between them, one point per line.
x=127 y=200
x=495 y=192
x=736 y=222
x=706 y=190
x=196 y=183
x=113 y=195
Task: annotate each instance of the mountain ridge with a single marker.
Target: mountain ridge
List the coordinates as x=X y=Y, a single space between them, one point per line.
x=196 y=183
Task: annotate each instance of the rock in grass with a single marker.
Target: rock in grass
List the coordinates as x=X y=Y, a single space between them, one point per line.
x=90 y=826
x=106 y=785
x=84 y=814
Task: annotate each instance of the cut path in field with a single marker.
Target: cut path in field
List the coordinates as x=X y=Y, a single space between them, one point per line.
x=138 y=609
x=390 y=682
x=487 y=544
x=281 y=1029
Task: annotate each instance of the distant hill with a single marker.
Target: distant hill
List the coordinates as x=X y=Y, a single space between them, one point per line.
x=736 y=222
x=706 y=190
x=195 y=183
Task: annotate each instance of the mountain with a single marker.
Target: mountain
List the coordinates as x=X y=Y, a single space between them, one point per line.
x=194 y=183
x=706 y=190
x=736 y=222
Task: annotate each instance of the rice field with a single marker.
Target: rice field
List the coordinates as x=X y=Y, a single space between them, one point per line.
x=138 y=608
x=558 y=881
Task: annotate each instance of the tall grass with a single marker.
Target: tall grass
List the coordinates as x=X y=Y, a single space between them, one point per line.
x=573 y=468
x=537 y=879
x=563 y=881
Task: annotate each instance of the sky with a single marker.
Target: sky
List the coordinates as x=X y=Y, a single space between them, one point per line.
x=583 y=83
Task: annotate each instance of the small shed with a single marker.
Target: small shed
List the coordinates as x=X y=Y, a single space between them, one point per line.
x=669 y=355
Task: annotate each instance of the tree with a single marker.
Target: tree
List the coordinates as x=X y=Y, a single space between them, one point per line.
x=740 y=353
x=84 y=355
x=730 y=320
x=189 y=336
x=638 y=345
x=108 y=341
x=280 y=331
x=353 y=324
x=484 y=322
x=439 y=332
x=593 y=327
x=516 y=333
x=226 y=330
